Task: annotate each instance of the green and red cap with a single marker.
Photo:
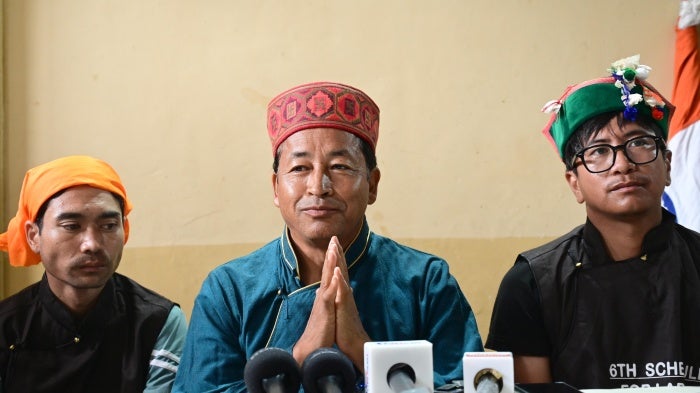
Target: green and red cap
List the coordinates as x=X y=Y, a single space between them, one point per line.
x=625 y=90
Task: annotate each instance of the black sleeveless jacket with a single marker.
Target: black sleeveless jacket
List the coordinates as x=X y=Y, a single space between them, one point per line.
x=625 y=323
x=43 y=349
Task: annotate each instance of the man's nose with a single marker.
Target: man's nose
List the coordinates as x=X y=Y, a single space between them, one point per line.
x=91 y=239
x=320 y=183
x=622 y=162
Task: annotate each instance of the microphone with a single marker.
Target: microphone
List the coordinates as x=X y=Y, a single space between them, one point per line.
x=399 y=366
x=328 y=370
x=488 y=380
x=402 y=379
x=488 y=372
x=272 y=370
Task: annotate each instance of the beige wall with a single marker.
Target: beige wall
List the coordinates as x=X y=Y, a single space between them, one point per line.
x=173 y=94
x=3 y=215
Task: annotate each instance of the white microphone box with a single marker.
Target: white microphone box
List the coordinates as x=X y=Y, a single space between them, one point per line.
x=477 y=364
x=381 y=356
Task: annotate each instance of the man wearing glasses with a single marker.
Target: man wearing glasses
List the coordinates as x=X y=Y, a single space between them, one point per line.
x=616 y=302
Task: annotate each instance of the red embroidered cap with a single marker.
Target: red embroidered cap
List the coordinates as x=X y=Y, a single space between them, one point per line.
x=322 y=104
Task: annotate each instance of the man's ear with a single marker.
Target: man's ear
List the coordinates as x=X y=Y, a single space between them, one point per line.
x=667 y=161
x=274 y=190
x=574 y=185
x=33 y=234
x=374 y=177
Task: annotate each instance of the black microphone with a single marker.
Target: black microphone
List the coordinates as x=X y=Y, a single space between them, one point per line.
x=402 y=378
x=272 y=370
x=328 y=370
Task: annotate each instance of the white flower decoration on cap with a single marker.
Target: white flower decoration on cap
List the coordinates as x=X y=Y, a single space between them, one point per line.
x=552 y=106
x=626 y=71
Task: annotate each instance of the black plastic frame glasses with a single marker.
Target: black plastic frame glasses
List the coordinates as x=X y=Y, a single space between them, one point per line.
x=600 y=158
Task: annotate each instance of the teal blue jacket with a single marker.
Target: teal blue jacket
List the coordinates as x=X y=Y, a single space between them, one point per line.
x=258 y=301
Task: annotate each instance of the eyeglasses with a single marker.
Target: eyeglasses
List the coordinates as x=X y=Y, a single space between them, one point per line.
x=639 y=150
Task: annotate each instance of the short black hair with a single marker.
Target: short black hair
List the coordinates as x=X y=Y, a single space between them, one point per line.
x=595 y=124
x=365 y=148
x=39 y=221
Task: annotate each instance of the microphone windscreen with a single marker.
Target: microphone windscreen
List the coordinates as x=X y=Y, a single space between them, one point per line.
x=488 y=371
x=267 y=363
x=382 y=357
x=325 y=362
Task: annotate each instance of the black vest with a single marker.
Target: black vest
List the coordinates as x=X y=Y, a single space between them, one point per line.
x=621 y=324
x=43 y=349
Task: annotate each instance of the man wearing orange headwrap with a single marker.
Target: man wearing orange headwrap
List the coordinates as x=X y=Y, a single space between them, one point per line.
x=83 y=327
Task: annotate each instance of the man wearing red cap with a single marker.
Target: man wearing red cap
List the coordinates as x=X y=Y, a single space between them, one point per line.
x=328 y=280
x=83 y=327
x=616 y=302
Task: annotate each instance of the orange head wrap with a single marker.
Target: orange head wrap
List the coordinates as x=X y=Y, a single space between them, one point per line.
x=41 y=183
